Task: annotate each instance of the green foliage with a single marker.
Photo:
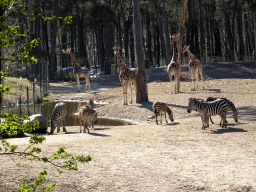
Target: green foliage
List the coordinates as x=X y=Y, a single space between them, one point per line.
x=41 y=179
x=13 y=125
x=33 y=153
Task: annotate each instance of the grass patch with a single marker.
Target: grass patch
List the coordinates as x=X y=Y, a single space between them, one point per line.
x=18 y=85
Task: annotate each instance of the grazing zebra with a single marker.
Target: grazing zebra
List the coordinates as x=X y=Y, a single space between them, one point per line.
x=207 y=109
x=159 y=107
x=231 y=106
x=58 y=115
x=86 y=115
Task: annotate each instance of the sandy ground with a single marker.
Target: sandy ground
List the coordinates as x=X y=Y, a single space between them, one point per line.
x=177 y=156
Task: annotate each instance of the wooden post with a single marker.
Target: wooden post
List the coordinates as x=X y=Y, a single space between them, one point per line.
x=181 y=39
x=27 y=101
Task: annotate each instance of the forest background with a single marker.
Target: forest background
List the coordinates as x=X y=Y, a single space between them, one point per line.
x=216 y=30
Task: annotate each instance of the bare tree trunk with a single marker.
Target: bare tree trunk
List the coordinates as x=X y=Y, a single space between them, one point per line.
x=229 y=34
x=167 y=35
x=141 y=81
x=108 y=40
x=160 y=30
x=53 y=45
x=82 y=52
x=201 y=26
x=182 y=22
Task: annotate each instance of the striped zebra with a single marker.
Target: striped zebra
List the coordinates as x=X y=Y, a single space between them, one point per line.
x=58 y=115
x=86 y=115
x=207 y=109
x=231 y=106
x=159 y=107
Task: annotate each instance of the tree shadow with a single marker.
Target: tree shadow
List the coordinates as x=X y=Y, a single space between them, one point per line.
x=247 y=113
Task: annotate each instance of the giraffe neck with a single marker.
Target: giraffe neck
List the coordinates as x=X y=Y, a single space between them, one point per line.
x=120 y=62
x=191 y=55
x=73 y=60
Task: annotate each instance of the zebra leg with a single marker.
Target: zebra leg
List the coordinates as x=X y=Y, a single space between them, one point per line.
x=211 y=120
x=58 y=125
x=156 y=118
x=161 y=118
x=64 y=125
x=165 y=117
x=81 y=124
x=86 y=126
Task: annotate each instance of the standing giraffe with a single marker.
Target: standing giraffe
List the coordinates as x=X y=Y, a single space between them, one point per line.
x=79 y=71
x=126 y=76
x=173 y=67
x=195 y=66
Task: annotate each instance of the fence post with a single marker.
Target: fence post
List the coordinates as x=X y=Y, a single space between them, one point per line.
x=20 y=106
x=34 y=92
x=27 y=101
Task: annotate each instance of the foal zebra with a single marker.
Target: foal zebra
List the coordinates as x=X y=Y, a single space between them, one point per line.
x=58 y=115
x=159 y=107
x=231 y=106
x=207 y=109
x=86 y=115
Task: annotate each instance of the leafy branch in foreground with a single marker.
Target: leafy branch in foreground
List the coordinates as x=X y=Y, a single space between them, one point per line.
x=33 y=153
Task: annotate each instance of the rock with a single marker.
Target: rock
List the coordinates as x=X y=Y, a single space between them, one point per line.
x=42 y=120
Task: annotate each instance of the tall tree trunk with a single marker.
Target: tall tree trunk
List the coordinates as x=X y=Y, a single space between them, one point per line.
x=108 y=40
x=167 y=34
x=160 y=30
x=53 y=65
x=126 y=36
x=141 y=82
x=82 y=51
x=217 y=38
x=201 y=26
x=229 y=34
x=132 y=51
x=182 y=23
x=149 y=42
x=190 y=16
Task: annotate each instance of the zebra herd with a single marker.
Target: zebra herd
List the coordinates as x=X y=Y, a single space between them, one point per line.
x=87 y=116
x=212 y=106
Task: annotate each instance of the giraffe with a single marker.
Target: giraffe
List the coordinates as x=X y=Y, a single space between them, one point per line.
x=126 y=76
x=195 y=66
x=173 y=67
x=79 y=71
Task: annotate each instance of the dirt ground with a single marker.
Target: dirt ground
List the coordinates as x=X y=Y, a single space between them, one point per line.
x=174 y=156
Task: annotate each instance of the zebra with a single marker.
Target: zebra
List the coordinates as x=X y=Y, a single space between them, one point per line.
x=207 y=109
x=159 y=107
x=231 y=106
x=86 y=115
x=58 y=115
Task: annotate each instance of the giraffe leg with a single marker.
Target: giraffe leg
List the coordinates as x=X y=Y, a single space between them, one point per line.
x=130 y=85
x=192 y=72
x=78 y=83
x=125 y=94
